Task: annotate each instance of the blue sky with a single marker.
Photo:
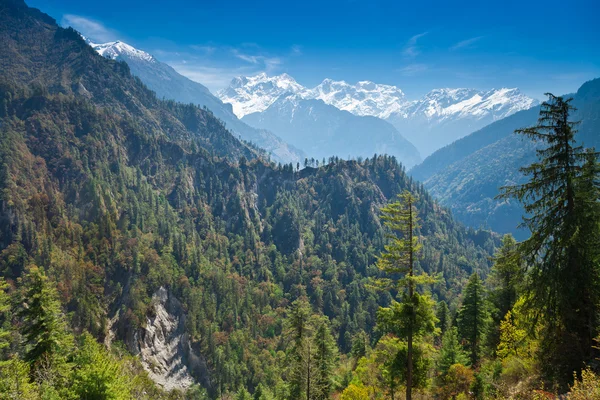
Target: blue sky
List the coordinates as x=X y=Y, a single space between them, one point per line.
x=538 y=46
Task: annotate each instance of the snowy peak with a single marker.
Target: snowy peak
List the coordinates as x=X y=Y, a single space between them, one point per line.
x=114 y=50
x=461 y=103
x=255 y=94
x=363 y=98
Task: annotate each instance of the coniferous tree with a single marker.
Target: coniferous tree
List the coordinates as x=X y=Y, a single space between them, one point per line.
x=43 y=327
x=505 y=281
x=563 y=287
x=414 y=315
x=451 y=352
x=98 y=375
x=4 y=308
x=302 y=367
x=325 y=357
x=473 y=317
x=442 y=313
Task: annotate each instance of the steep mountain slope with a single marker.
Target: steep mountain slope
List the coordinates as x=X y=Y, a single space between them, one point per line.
x=445 y=115
x=323 y=130
x=461 y=148
x=169 y=84
x=466 y=175
x=431 y=122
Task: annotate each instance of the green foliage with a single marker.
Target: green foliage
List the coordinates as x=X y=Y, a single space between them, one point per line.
x=313 y=353
x=561 y=202
x=451 y=352
x=98 y=376
x=15 y=382
x=457 y=382
x=47 y=341
x=355 y=392
x=473 y=318
x=506 y=283
x=512 y=339
x=414 y=316
x=114 y=194
x=442 y=313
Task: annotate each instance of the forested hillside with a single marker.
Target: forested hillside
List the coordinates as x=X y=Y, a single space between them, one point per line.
x=466 y=175
x=147 y=253
x=122 y=215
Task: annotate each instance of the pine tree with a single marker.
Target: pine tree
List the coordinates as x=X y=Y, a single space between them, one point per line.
x=46 y=337
x=473 y=317
x=451 y=352
x=302 y=367
x=560 y=200
x=325 y=357
x=243 y=394
x=414 y=315
x=442 y=313
x=98 y=376
x=505 y=281
x=4 y=308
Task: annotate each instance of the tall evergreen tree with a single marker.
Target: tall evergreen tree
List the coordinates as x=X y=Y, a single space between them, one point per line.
x=302 y=374
x=43 y=326
x=473 y=317
x=325 y=357
x=451 y=352
x=563 y=289
x=4 y=308
x=505 y=281
x=442 y=313
x=414 y=315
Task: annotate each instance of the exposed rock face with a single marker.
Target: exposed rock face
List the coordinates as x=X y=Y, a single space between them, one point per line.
x=164 y=347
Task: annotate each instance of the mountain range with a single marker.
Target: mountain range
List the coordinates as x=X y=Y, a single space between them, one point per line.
x=466 y=175
x=323 y=130
x=169 y=84
x=437 y=119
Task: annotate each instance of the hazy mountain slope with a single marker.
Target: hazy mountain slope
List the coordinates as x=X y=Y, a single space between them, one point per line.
x=323 y=130
x=461 y=148
x=169 y=84
x=469 y=184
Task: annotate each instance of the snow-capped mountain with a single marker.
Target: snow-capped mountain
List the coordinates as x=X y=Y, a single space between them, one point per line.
x=436 y=119
x=255 y=94
x=169 y=84
x=364 y=98
x=468 y=103
x=114 y=50
x=323 y=130
x=445 y=115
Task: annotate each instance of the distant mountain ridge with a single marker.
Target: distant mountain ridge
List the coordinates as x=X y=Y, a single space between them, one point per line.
x=436 y=119
x=169 y=84
x=322 y=130
x=466 y=175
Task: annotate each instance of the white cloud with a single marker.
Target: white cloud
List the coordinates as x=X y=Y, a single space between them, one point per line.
x=93 y=30
x=206 y=49
x=269 y=62
x=465 y=44
x=214 y=78
x=411 y=50
x=296 y=50
x=413 y=69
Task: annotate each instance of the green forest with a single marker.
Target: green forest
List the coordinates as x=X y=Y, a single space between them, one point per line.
x=147 y=253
